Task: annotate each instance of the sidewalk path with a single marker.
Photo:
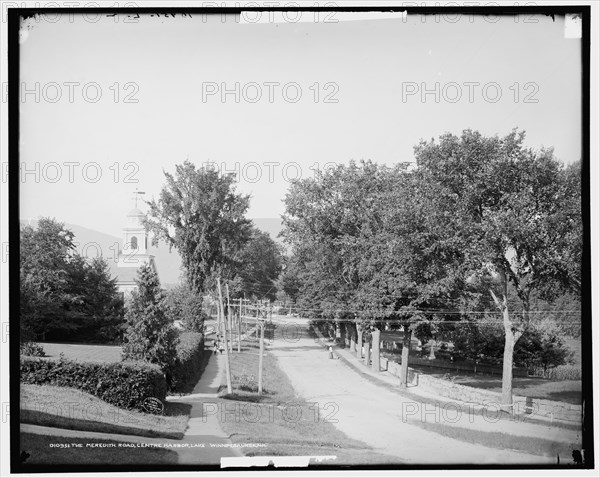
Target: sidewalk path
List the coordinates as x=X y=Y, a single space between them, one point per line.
x=203 y=426
x=372 y=413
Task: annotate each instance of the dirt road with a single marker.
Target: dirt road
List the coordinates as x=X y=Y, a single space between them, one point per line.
x=373 y=414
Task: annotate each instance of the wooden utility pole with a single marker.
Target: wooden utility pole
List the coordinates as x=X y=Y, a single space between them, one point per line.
x=260 y=358
x=229 y=325
x=239 y=328
x=227 y=365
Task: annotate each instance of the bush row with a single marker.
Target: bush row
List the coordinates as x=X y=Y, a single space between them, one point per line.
x=123 y=384
x=190 y=350
x=562 y=372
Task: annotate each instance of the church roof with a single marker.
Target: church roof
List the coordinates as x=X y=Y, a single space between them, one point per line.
x=125 y=274
x=135 y=212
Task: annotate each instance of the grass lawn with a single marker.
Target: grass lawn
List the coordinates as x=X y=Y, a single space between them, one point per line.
x=73 y=409
x=504 y=441
x=285 y=422
x=41 y=453
x=84 y=353
x=568 y=391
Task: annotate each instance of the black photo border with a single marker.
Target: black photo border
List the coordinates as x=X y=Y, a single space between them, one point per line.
x=14 y=19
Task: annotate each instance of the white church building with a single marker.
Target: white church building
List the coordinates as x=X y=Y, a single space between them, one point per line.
x=134 y=252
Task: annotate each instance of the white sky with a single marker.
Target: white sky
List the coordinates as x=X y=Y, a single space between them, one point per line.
x=370 y=63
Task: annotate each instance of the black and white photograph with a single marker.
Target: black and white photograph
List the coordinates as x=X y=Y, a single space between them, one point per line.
x=323 y=237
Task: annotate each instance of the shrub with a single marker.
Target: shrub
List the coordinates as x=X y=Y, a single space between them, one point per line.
x=245 y=382
x=184 y=304
x=123 y=384
x=32 y=349
x=150 y=335
x=190 y=350
x=562 y=372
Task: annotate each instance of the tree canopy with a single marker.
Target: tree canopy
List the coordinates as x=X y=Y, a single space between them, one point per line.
x=200 y=214
x=62 y=292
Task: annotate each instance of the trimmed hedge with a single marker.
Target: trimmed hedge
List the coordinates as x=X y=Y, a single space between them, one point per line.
x=190 y=349
x=123 y=384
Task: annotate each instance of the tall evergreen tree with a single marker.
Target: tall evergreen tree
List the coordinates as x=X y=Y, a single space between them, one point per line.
x=150 y=335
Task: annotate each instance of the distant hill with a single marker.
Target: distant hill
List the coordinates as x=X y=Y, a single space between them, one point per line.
x=92 y=243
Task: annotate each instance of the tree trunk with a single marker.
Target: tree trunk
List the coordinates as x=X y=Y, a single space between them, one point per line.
x=507 y=367
x=510 y=339
x=376 y=334
x=367 y=352
x=431 y=349
x=359 y=344
x=352 y=338
x=405 y=350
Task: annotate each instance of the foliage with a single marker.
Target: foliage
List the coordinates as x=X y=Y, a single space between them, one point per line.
x=562 y=372
x=190 y=349
x=260 y=264
x=150 y=335
x=539 y=349
x=200 y=214
x=31 y=349
x=368 y=235
x=481 y=224
x=61 y=293
x=516 y=213
x=185 y=304
x=101 y=307
x=245 y=382
x=124 y=384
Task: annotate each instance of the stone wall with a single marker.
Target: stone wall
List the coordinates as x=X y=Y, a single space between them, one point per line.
x=466 y=367
x=535 y=407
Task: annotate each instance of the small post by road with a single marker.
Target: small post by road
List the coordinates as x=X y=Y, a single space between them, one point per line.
x=260 y=359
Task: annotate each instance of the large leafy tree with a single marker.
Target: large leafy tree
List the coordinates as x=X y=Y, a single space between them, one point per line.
x=367 y=248
x=185 y=304
x=62 y=293
x=517 y=213
x=324 y=219
x=259 y=267
x=46 y=254
x=410 y=266
x=200 y=214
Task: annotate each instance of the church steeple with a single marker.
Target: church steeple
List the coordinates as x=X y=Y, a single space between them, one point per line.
x=135 y=238
x=135 y=249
